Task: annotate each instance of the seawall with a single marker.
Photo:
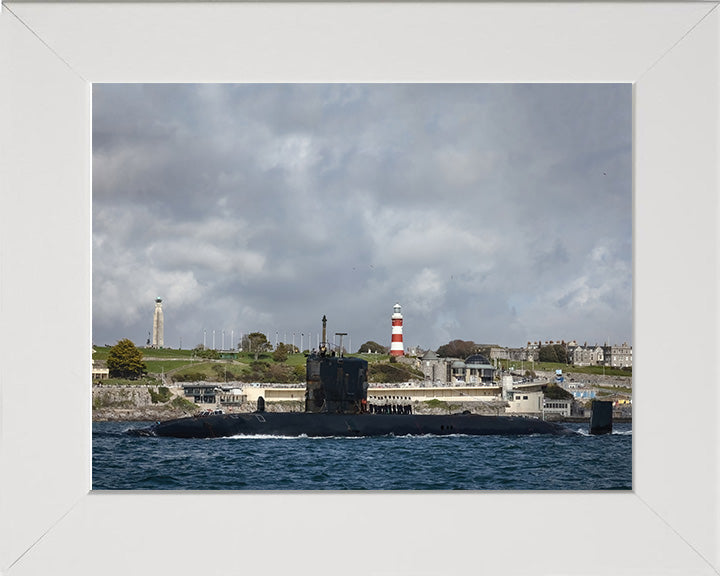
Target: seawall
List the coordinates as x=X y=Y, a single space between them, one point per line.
x=133 y=403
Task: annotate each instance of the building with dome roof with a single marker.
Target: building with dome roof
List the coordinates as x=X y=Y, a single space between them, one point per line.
x=475 y=369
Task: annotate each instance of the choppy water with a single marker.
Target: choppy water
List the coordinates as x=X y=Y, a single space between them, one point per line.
x=576 y=462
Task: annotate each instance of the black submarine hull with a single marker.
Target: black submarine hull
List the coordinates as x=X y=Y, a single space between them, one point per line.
x=321 y=425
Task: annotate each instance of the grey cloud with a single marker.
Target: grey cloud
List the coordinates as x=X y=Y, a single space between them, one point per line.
x=276 y=204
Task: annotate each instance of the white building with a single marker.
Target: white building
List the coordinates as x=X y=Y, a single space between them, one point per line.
x=526 y=402
x=561 y=407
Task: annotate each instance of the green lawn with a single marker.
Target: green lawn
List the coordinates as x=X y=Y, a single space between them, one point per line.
x=101 y=353
x=158 y=366
x=616 y=389
x=552 y=366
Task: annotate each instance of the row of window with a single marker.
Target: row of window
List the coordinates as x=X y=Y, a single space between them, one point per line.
x=560 y=405
x=197 y=391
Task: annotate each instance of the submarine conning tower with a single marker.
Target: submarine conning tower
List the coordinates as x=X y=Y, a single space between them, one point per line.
x=335 y=384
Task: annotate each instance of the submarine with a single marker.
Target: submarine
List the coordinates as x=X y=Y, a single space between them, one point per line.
x=336 y=405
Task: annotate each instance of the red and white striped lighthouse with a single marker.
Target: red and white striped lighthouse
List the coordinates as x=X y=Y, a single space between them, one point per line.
x=396 y=346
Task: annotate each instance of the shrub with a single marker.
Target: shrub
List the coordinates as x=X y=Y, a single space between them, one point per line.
x=207 y=353
x=554 y=392
x=189 y=377
x=162 y=394
x=388 y=372
x=281 y=353
x=183 y=404
x=300 y=373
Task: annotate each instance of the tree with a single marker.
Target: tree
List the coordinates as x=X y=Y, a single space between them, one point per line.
x=256 y=342
x=457 y=349
x=372 y=347
x=553 y=353
x=126 y=361
x=548 y=354
x=561 y=352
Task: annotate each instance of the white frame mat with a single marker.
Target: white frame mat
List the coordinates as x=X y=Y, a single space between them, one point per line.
x=51 y=522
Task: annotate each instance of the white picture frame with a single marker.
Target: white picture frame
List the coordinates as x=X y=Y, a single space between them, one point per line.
x=51 y=522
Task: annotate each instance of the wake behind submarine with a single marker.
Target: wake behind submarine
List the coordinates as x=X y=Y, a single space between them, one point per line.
x=336 y=405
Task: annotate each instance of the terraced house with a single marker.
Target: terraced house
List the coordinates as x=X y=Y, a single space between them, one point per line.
x=608 y=355
x=618 y=356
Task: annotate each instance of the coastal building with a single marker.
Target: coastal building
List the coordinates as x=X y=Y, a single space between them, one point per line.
x=517 y=354
x=618 y=356
x=237 y=393
x=415 y=351
x=494 y=352
x=578 y=355
x=405 y=393
x=586 y=355
x=434 y=368
x=233 y=397
x=607 y=355
x=475 y=369
x=396 y=345
x=524 y=398
x=526 y=402
x=158 y=327
x=557 y=407
x=99 y=372
x=532 y=351
x=201 y=392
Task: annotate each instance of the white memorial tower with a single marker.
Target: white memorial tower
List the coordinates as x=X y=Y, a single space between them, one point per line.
x=157 y=339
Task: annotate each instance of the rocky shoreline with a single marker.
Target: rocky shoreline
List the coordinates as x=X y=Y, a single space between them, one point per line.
x=135 y=404
x=142 y=404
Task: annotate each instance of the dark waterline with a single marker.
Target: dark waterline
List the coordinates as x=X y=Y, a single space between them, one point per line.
x=540 y=462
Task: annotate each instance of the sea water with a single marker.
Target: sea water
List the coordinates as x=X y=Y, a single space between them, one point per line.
x=537 y=462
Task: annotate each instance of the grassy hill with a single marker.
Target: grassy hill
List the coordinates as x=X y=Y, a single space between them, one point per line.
x=186 y=366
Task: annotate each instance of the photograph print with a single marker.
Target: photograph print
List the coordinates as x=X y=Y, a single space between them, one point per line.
x=362 y=286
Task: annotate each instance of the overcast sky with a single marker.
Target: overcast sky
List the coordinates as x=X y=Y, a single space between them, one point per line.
x=493 y=213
